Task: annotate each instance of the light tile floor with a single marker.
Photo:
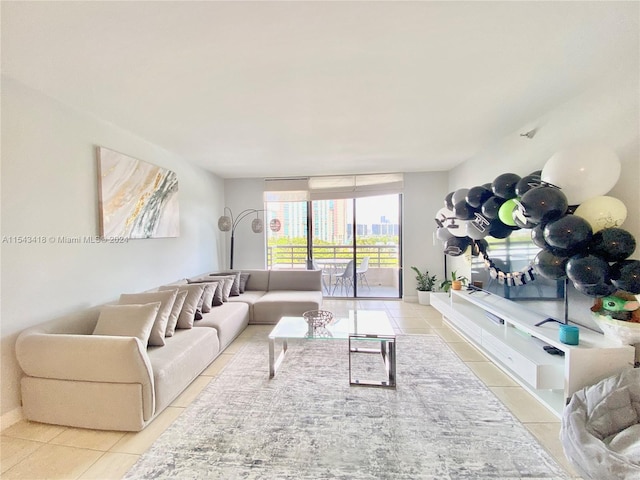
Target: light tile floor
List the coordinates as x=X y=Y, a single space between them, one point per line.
x=36 y=451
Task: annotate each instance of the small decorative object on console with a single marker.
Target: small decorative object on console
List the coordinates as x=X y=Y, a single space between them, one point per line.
x=318 y=318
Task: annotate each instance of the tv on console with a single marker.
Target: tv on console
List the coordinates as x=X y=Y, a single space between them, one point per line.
x=516 y=253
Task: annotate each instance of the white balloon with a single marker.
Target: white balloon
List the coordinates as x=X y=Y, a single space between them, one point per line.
x=443 y=234
x=602 y=212
x=583 y=172
x=458 y=228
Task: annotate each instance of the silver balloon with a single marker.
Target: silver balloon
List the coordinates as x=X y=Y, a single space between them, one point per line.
x=443 y=234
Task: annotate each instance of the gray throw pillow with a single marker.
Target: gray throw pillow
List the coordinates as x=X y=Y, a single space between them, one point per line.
x=244 y=277
x=166 y=298
x=235 y=286
x=175 y=312
x=190 y=307
x=127 y=321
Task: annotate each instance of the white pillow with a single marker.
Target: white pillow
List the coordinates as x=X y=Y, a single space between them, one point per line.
x=166 y=298
x=190 y=307
x=175 y=313
x=127 y=321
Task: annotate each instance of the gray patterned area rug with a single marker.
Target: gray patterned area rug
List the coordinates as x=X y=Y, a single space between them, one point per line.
x=440 y=422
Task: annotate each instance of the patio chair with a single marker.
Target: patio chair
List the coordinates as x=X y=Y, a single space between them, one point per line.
x=325 y=275
x=361 y=272
x=344 y=279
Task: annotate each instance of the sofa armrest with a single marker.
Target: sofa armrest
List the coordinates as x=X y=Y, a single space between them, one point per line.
x=90 y=358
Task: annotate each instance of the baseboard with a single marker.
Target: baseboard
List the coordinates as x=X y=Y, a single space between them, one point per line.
x=11 y=418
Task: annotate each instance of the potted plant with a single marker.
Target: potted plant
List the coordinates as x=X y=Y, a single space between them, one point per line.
x=425 y=285
x=454 y=283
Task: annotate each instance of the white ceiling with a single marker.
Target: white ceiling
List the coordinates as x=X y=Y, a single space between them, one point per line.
x=264 y=89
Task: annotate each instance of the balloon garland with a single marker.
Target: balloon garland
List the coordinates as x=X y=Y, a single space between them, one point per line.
x=570 y=217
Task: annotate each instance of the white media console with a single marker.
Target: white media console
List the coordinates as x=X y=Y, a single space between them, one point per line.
x=514 y=343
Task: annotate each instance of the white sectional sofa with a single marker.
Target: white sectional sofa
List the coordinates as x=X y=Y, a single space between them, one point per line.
x=110 y=382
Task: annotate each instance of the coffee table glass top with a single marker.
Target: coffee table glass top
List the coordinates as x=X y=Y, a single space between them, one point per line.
x=359 y=322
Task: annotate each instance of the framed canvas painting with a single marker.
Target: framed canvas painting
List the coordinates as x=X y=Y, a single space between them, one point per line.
x=136 y=199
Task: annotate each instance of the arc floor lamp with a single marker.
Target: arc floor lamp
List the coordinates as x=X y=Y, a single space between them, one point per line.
x=228 y=223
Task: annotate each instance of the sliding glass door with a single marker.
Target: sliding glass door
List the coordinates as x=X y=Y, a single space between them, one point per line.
x=354 y=241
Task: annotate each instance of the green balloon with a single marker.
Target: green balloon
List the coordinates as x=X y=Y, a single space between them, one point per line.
x=505 y=214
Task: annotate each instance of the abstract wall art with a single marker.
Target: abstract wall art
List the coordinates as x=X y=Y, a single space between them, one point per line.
x=136 y=199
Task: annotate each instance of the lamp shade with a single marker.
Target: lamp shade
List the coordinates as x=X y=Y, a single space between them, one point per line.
x=257 y=226
x=224 y=223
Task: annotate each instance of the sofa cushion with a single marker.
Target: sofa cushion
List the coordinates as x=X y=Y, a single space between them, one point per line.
x=229 y=320
x=258 y=280
x=166 y=299
x=272 y=306
x=180 y=361
x=235 y=287
x=181 y=296
x=127 y=321
x=190 y=307
x=295 y=280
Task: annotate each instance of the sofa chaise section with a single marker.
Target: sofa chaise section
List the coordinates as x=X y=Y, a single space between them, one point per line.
x=273 y=294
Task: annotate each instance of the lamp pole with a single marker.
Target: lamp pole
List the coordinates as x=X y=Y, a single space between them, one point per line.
x=227 y=222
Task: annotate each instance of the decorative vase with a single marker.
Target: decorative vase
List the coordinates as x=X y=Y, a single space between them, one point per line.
x=456 y=285
x=424 y=297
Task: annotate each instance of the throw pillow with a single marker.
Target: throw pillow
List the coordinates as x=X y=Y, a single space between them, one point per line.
x=166 y=300
x=217 y=296
x=194 y=297
x=235 y=286
x=127 y=321
x=207 y=295
x=244 y=277
x=226 y=289
x=175 y=312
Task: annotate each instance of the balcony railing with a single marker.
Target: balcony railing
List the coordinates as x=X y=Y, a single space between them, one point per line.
x=295 y=256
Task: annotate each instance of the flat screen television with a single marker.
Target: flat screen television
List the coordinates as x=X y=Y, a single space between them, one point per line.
x=555 y=299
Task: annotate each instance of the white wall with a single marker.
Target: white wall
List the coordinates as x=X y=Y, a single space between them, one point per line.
x=249 y=247
x=49 y=189
x=422 y=197
x=609 y=114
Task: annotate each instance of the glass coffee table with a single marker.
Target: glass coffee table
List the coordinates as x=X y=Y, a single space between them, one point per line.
x=360 y=326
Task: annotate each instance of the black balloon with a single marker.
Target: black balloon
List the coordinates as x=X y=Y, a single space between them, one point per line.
x=527 y=183
x=497 y=229
x=476 y=196
x=598 y=290
x=463 y=211
x=550 y=265
x=543 y=204
x=588 y=269
x=537 y=236
x=504 y=186
x=625 y=275
x=491 y=207
x=571 y=233
x=456 y=246
x=612 y=244
x=448 y=202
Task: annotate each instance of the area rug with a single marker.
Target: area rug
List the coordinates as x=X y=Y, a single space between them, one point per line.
x=441 y=422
